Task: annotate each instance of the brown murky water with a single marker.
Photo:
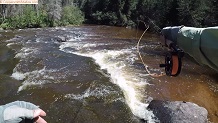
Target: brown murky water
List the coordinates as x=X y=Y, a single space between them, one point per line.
x=96 y=75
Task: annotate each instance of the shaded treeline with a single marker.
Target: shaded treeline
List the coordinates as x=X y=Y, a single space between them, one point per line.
x=198 y=13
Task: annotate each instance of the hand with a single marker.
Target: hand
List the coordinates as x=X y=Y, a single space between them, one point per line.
x=18 y=111
x=37 y=113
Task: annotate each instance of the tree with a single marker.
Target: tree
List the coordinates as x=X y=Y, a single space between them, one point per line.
x=172 y=15
x=192 y=12
x=88 y=10
x=212 y=14
x=54 y=11
x=72 y=15
x=3 y=11
x=128 y=7
x=115 y=12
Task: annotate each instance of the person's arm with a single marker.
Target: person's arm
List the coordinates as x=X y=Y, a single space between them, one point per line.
x=199 y=43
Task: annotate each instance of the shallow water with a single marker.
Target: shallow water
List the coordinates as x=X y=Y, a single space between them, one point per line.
x=96 y=75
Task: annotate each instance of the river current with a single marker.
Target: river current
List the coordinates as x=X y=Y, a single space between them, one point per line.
x=92 y=74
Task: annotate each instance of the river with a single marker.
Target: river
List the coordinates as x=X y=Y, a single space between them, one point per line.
x=92 y=74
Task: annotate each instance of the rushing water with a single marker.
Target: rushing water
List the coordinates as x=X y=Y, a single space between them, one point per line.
x=92 y=74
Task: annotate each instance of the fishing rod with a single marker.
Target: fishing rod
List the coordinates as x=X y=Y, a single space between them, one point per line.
x=173 y=58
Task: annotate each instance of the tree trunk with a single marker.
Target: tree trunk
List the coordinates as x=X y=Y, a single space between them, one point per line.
x=4 y=11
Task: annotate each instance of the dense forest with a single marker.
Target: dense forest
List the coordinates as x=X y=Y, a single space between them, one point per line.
x=128 y=13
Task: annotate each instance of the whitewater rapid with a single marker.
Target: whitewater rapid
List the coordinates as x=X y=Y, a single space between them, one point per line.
x=119 y=65
x=118 y=62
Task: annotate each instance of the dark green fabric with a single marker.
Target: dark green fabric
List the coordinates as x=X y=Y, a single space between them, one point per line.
x=209 y=46
x=201 y=44
x=170 y=33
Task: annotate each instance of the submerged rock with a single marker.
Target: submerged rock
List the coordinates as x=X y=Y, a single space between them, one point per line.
x=61 y=39
x=178 y=112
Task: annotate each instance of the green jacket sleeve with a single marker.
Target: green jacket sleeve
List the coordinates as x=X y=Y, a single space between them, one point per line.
x=201 y=44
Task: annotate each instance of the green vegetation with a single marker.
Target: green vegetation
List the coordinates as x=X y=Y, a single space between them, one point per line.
x=55 y=13
x=71 y=15
x=198 y=13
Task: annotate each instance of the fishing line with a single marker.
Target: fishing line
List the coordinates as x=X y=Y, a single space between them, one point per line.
x=156 y=27
x=146 y=66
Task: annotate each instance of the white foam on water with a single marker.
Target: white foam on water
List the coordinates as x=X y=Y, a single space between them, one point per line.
x=99 y=92
x=122 y=74
x=37 y=77
x=38 y=40
x=89 y=45
x=34 y=77
x=18 y=75
x=10 y=44
x=125 y=80
x=24 y=52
